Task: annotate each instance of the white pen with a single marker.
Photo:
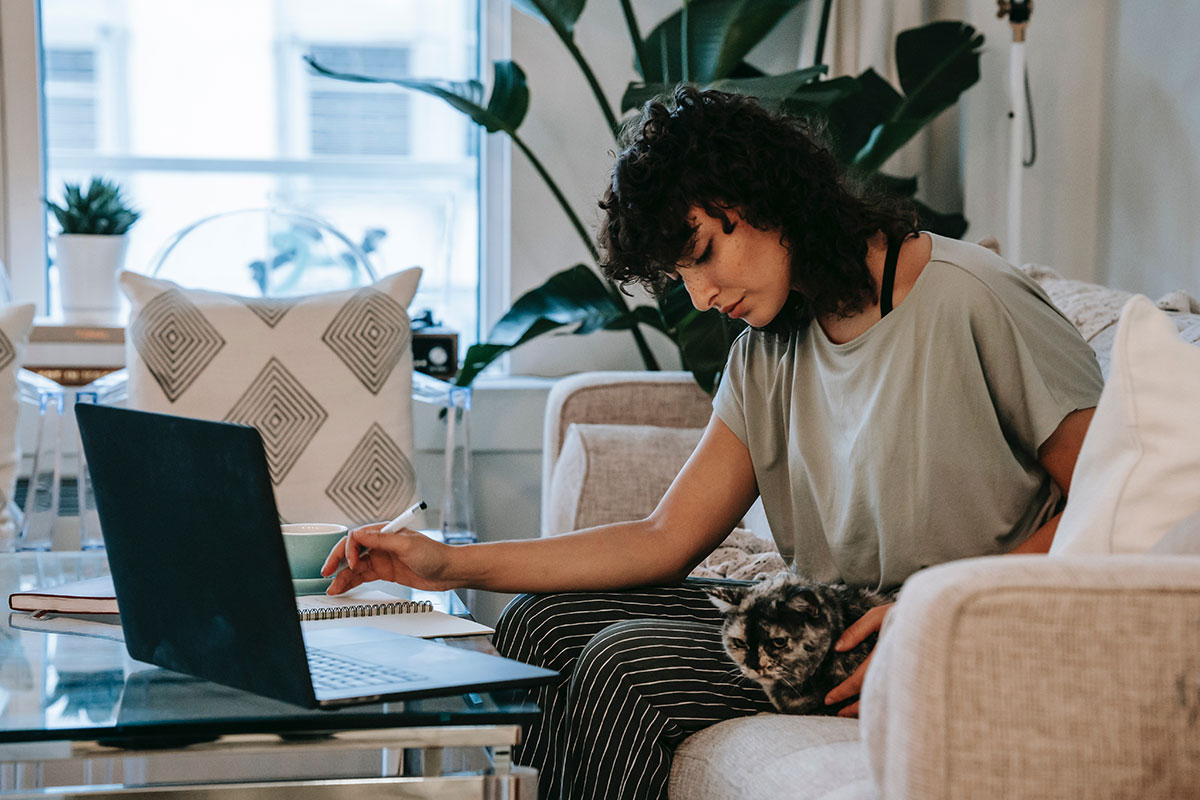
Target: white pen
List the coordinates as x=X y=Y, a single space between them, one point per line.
x=400 y=522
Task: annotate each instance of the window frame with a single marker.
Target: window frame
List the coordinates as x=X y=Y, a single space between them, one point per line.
x=23 y=224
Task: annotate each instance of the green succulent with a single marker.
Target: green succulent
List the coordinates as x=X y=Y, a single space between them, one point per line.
x=101 y=210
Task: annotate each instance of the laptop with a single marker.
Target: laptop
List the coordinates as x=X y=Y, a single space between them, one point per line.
x=194 y=546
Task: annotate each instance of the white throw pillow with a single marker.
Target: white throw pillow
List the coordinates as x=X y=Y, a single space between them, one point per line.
x=1138 y=472
x=326 y=379
x=16 y=321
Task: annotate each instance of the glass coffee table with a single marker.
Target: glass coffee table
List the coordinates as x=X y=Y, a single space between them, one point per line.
x=80 y=718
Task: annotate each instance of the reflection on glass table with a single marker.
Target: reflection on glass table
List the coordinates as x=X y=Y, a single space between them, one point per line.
x=68 y=699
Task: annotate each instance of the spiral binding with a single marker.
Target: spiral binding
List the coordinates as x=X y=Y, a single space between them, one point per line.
x=372 y=610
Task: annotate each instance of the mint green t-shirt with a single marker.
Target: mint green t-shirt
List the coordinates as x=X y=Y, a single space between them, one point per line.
x=915 y=443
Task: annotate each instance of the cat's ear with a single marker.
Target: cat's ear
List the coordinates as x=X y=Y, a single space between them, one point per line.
x=803 y=599
x=726 y=598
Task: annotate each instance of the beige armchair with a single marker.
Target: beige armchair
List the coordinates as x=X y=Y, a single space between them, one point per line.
x=1006 y=677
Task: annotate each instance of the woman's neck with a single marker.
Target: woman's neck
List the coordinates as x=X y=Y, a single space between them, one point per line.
x=914 y=255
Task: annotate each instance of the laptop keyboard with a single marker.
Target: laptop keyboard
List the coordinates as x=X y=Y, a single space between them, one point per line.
x=331 y=671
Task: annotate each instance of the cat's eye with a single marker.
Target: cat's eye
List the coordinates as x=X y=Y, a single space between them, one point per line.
x=737 y=643
x=779 y=642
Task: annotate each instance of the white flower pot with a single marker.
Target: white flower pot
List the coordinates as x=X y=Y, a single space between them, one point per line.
x=87 y=276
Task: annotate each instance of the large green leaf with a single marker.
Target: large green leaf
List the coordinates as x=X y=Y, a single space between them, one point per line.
x=770 y=89
x=505 y=110
x=575 y=296
x=854 y=116
x=937 y=63
x=557 y=13
x=720 y=34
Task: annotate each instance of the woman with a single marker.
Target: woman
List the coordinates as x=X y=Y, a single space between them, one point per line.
x=899 y=400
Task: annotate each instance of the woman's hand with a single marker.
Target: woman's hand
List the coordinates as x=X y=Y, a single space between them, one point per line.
x=863 y=627
x=409 y=558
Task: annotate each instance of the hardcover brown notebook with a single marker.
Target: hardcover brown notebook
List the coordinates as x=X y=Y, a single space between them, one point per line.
x=92 y=596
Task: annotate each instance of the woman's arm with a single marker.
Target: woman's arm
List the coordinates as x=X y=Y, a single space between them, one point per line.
x=1058 y=455
x=712 y=492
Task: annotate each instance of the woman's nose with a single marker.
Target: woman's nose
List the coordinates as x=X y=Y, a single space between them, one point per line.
x=702 y=292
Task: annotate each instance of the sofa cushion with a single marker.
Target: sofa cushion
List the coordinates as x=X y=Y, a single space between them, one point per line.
x=770 y=756
x=325 y=378
x=615 y=473
x=1138 y=472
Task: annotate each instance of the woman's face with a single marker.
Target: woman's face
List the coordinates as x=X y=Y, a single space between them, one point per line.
x=745 y=274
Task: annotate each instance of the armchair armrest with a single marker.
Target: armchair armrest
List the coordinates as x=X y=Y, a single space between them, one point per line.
x=1039 y=677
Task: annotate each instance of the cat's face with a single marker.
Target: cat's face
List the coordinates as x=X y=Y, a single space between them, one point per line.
x=776 y=631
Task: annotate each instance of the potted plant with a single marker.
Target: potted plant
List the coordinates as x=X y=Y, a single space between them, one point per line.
x=90 y=249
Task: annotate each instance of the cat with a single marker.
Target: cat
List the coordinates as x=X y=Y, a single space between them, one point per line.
x=781 y=631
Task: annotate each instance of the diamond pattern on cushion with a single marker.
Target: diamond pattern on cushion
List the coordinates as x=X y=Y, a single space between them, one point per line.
x=376 y=482
x=269 y=310
x=7 y=352
x=175 y=340
x=285 y=413
x=279 y=375
x=370 y=334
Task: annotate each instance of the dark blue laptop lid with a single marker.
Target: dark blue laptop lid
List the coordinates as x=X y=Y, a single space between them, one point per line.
x=192 y=533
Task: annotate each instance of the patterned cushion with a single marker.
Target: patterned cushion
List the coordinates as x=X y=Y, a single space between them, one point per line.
x=326 y=379
x=16 y=321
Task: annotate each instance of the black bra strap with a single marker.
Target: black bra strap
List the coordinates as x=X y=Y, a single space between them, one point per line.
x=889 y=278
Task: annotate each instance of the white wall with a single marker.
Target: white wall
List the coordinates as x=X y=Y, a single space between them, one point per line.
x=1149 y=238
x=1062 y=204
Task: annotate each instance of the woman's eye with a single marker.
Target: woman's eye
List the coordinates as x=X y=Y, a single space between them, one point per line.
x=779 y=642
x=706 y=254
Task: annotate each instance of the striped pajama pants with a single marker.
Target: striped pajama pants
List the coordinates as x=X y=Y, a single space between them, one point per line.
x=640 y=670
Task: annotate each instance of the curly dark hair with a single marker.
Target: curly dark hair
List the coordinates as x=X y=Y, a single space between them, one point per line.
x=719 y=151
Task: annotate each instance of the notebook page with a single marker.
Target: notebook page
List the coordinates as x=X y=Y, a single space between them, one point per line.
x=427 y=625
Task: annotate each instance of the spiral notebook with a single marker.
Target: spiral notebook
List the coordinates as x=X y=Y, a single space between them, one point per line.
x=382 y=610
x=409 y=617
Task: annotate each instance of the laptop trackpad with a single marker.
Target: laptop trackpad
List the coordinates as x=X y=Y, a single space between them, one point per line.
x=335 y=637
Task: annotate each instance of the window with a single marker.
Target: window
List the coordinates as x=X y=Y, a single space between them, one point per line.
x=70 y=92
x=199 y=107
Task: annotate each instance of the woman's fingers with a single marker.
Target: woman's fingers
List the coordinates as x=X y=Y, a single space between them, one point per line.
x=863 y=627
x=850 y=710
x=849 y=687
x=335 y=557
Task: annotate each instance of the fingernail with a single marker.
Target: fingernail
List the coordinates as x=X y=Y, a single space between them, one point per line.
x=840 y=645
x=828 y=700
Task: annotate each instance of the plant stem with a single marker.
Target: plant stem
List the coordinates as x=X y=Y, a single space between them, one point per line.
x=636 y=36
x=826 y=7
x=648 y=358
x=568 y=41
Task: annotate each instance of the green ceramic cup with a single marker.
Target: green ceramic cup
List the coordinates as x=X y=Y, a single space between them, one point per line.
x=308 y=544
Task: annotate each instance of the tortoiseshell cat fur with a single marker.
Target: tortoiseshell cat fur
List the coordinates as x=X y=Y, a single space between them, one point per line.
x=781 y=631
